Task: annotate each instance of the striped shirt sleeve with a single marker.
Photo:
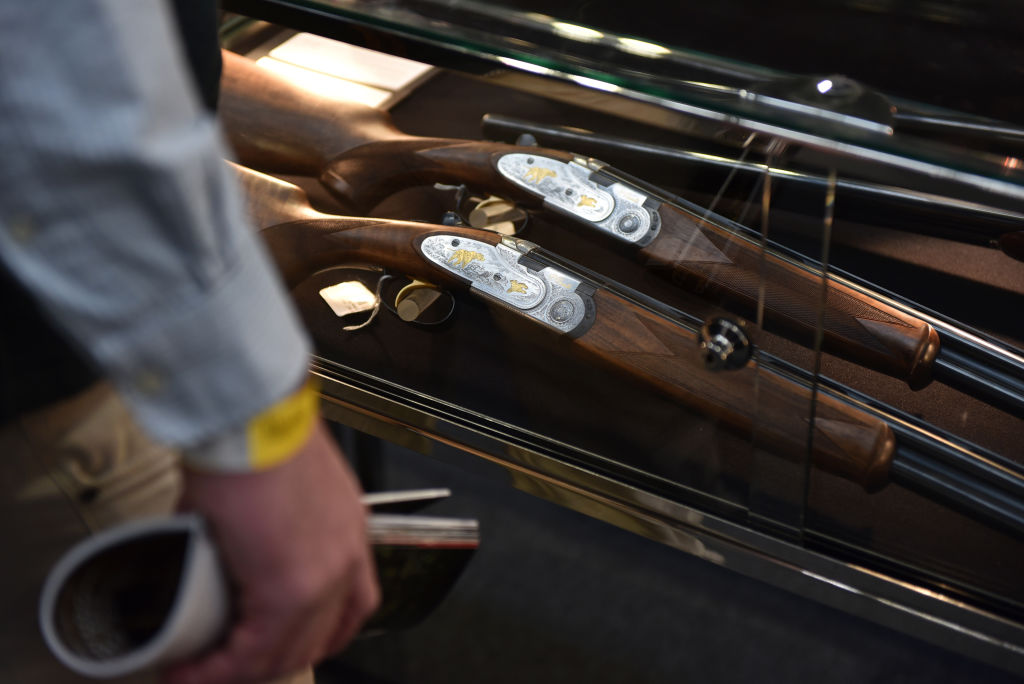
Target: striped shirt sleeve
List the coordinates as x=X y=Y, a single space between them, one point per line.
x=118 y=213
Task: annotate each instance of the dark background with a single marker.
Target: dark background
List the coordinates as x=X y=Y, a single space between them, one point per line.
x=553 y=596
x=964 y=55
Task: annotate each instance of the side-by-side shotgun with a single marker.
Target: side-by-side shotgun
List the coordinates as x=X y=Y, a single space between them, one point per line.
x=611 y=328
x=361 y=157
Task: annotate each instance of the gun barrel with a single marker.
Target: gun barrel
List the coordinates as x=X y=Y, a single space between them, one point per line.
x=983 y=380
x=603 y=326
x=899 y=208
x=647 y=341
x=965 y=359
x=361 y=157
x=1001 y=507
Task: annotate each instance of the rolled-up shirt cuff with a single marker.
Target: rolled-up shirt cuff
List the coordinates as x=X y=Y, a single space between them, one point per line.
x=206 y=368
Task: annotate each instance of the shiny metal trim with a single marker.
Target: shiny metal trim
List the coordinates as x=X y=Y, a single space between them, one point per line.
x=562 y=185
x=734 y=130
x=720 y=104
x=540 y=467
x=547 y=296
x=568 y=188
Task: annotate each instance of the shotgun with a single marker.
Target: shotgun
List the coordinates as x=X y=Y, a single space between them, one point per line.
x=608 y=326
x=795 y=190
x=361 y=157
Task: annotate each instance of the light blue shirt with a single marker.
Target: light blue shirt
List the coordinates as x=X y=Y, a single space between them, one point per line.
x=118 y=212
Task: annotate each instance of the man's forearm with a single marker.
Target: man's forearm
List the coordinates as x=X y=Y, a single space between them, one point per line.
x=117 y=214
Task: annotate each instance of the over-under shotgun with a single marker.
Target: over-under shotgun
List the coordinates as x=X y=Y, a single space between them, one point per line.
x=605 y=326
x=861 y=201
x=361 y=157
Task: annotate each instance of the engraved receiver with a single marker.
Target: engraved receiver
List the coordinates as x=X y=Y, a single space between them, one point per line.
x=361 y=157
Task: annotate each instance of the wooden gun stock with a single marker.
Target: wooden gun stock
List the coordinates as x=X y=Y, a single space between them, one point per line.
x=359 y=154
x=303 y=241
x=703 y=257
x=362 y=157
x=621 y=335
x=276 y=126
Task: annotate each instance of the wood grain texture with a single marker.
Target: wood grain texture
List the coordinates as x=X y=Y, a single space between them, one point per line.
x=274 y=125
x=752 y=401
x=704 y=257
x=361 y=157
x=270 y=201
x=367 y=174
x=303 y=241
x=302 y=248
x=624 y=337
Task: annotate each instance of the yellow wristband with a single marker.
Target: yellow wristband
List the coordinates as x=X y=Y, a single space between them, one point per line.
x=275 y=434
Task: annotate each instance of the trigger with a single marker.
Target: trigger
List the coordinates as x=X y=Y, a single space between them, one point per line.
x=413 y=299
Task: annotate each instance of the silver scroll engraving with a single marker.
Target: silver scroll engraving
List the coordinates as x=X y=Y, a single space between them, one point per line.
x=548 y=295
x=617 y=209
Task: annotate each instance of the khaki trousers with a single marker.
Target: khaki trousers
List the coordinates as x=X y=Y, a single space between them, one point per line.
x=66 y=471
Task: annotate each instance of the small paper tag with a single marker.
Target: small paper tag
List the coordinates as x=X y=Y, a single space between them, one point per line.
x=348 y=298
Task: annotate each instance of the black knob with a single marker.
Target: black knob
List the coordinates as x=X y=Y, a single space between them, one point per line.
x=450 y=218
x=724 y=344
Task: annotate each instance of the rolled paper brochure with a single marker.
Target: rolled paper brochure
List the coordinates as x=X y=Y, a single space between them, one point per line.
x=153 y=592
x=137 y=596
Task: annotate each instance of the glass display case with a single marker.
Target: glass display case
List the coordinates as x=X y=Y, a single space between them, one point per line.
x=776 y=326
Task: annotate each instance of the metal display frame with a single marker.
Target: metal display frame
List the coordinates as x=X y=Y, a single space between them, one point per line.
x=538 y=465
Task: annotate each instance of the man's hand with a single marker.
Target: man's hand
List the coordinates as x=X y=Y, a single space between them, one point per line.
x=293 y=540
